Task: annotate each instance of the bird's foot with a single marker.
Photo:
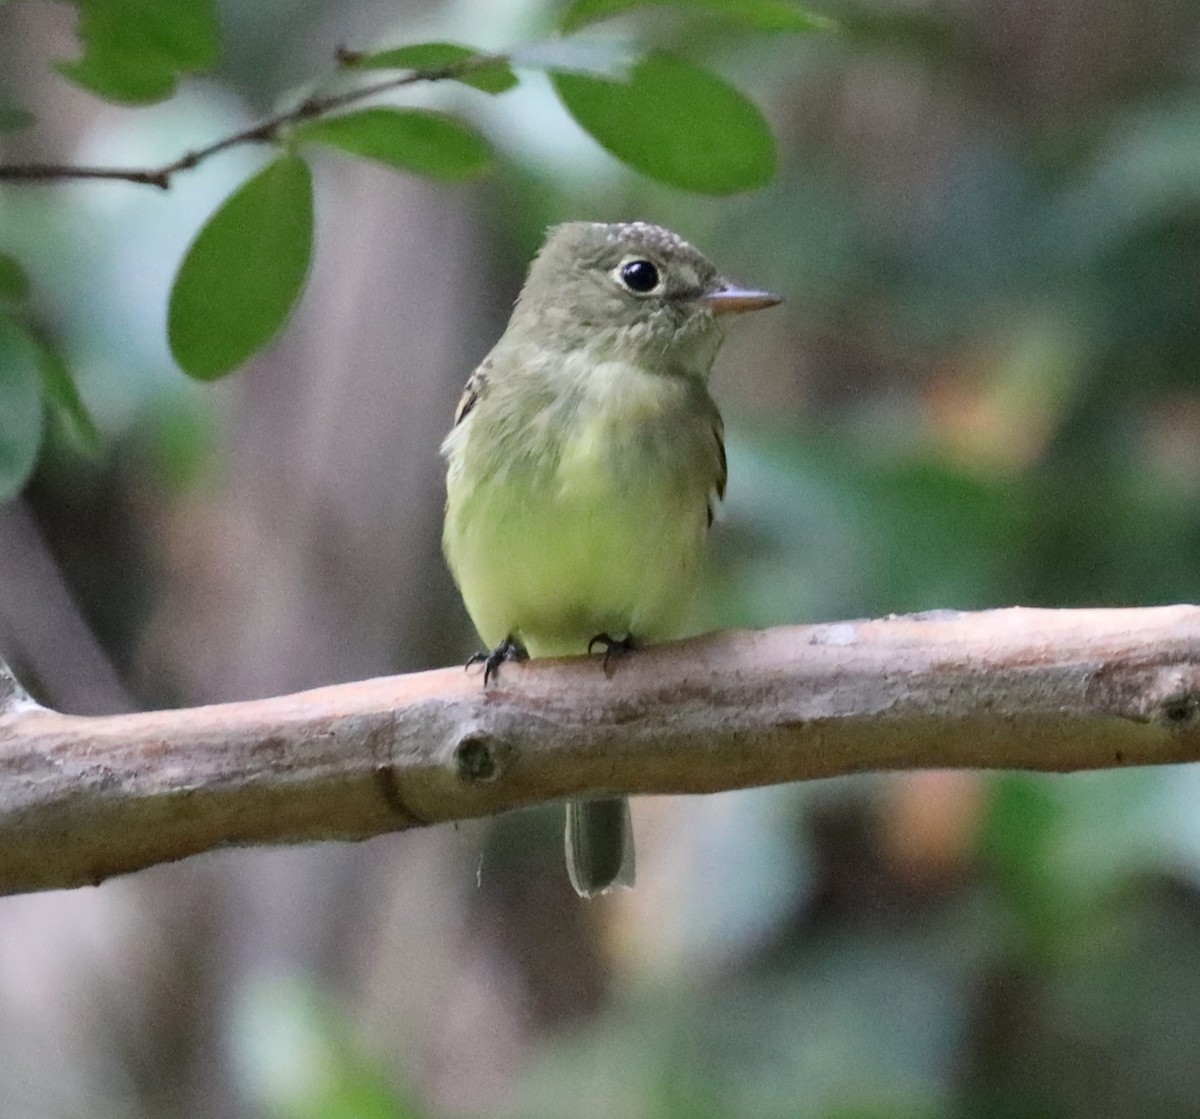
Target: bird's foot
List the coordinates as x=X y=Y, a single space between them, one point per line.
x=611 y=645
x=510 y=649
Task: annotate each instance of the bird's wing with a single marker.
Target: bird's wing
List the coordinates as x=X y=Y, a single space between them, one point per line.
x=722 y=472
x=475 y=388
x=722 y=462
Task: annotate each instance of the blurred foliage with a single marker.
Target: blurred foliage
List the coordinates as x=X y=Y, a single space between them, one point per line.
x=21 y=415
x=982 y=391
x=300 y=1060
x=13 y=119
x=669 y=118
x=135 y=50
x=14 y=284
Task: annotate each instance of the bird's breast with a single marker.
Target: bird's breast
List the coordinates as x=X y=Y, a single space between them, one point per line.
x=627 y=429
x=599 y=527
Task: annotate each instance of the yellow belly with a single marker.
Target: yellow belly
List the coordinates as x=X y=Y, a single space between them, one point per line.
x=556 y=565
x=586 y=515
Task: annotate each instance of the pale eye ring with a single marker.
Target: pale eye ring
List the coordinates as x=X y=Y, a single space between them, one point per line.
x=640 y=276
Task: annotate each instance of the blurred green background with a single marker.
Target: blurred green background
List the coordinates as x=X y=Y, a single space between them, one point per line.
x=982 y=390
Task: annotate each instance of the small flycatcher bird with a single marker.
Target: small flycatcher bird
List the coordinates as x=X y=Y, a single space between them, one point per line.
x=583 y=465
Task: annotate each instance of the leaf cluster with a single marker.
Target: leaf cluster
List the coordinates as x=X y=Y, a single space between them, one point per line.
x=666 y=116
x=34 y=378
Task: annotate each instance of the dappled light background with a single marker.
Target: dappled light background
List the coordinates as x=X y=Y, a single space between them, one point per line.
x=982 y=390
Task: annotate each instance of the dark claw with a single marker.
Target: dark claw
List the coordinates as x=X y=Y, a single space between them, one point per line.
x=611 y=645
x=510 y=649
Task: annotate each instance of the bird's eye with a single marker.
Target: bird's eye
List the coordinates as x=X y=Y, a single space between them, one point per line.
x=639 y=276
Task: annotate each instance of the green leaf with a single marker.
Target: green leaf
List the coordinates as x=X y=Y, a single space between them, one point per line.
x=244 y=272
x=14 y=283
x=675 y=122
x=12 y=118
x=61 y=392
x=492 y=77
x=608 y=58
x=20 y=407
x=765 y=15
x=134 y=51
x=411 y=139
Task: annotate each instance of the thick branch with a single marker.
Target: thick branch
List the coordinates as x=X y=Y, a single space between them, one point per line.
x=269 y=131
x=85 y=798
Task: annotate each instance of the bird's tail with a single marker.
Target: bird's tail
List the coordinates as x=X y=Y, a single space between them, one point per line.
x=599 y=845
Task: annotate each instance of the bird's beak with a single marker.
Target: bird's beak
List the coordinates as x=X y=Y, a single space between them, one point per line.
x=730 y=300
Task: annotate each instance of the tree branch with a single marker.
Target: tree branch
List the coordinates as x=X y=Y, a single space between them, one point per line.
x=85 y=798
x=268 y=131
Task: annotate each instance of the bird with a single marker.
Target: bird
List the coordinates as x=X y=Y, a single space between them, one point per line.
x=583 y=467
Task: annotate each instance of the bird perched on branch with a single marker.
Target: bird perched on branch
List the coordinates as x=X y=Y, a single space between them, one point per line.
x=583 y=465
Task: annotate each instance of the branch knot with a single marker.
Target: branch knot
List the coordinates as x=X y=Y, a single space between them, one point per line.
x=1166 y=694
x=480 y=758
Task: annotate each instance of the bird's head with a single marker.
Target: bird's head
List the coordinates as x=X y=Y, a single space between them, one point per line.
x=630 y=291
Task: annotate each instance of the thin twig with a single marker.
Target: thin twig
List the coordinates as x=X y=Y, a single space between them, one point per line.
x=265 y=132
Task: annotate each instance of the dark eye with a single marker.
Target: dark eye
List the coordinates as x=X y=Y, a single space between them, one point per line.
x=639 y=275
